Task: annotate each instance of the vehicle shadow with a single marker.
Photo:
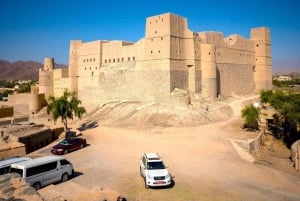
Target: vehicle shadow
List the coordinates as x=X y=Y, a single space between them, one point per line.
x=88 y=125
x=76 y=174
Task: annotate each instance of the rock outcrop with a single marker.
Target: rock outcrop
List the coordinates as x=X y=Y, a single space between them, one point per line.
x=13 y=187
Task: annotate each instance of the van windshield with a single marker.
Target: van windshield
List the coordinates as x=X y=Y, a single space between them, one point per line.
x=16 y=170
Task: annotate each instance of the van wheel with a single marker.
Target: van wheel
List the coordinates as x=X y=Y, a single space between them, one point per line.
x=64 y=177
x=81 y=146
x=37 y=186
x=66 y=151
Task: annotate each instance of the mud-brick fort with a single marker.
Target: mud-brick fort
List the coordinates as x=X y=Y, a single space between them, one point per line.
x=169 y=58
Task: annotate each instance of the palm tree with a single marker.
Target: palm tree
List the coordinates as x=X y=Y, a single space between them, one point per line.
x=251 y=116
x=65 y=107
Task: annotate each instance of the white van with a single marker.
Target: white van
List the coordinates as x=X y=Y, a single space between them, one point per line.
x=44 y=170
x=5 y=164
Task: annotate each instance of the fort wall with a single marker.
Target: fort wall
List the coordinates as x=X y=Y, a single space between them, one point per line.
x=169 y=57
x=6 y=111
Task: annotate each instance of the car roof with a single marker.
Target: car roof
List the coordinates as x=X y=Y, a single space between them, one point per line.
x=12 y=160
x=152 y=156
x=38 y=161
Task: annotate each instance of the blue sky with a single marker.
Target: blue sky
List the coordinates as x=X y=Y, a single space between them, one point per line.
x=34 y=29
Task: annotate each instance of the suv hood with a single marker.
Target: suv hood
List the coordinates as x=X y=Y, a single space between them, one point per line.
x=160 y=172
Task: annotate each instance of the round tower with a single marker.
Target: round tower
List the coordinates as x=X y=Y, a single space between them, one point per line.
x=48 y=64
x=46 y=85
x=209 y=72
x=34 y=105
x=74 y=65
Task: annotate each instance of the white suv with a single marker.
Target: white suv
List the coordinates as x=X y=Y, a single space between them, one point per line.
x=153 y=171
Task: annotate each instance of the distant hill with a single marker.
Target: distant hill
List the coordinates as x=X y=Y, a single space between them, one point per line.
x=285 y=71
x=22 y=70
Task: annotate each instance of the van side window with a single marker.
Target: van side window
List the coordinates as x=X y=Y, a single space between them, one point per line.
x=16 y=170
x=4 y=170
x=64 y=162
x=41 y=168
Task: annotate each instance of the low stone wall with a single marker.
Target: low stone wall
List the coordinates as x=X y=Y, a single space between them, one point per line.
x=6 y=111
x=38 y=139
x=5 y=122
x=13 y=120
x=256 y=143
x=20 y=119
x=253 y=145
x=11 y=149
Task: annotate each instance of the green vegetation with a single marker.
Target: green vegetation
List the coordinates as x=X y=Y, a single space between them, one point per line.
x=251 y=117
x=23 y=87
x=287 y=116
x=65 y=107
x=286 y=83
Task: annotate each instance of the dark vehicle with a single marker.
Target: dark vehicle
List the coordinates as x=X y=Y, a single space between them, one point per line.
x=68 y=145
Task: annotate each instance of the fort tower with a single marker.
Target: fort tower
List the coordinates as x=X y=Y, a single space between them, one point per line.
x=263 y=60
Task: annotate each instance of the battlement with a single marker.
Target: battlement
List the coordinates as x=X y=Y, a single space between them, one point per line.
x=166 y=25
x=261 y=34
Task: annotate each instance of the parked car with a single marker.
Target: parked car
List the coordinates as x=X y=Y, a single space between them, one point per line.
x=67 y=145
x=153 y=170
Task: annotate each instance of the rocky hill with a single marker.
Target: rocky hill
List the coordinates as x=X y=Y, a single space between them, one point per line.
x=21 y=70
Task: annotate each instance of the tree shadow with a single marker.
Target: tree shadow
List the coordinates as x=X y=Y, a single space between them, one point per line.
x=88 y=125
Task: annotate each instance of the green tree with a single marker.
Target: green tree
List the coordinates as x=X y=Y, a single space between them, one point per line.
x=265 y=96
x=251 y=116
x=65 y=107
x=287 y=106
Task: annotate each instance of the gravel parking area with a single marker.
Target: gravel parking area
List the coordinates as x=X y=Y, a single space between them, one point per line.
x=203 y=164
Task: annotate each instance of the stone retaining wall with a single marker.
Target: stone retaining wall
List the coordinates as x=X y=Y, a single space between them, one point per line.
x=12 y=149
x=253 y=145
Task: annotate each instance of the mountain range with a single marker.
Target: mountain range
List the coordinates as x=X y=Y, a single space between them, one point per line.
x=29 y=70
x=22 y=70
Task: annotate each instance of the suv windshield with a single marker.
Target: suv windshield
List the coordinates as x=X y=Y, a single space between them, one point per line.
x=155 y=165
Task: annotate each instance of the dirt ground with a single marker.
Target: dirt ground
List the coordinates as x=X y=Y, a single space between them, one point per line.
x=203 y=164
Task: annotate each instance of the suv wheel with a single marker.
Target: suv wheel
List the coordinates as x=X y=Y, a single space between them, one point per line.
x=141 y=172
x=146 y=185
